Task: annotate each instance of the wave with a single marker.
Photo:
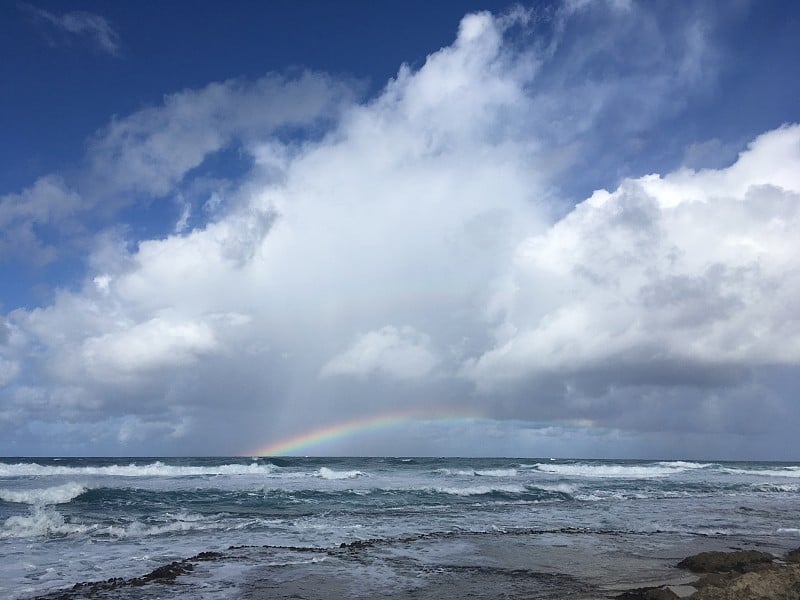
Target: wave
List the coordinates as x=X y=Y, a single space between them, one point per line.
x=60 y=494
x=44 y=521
x=682 y=464
x=478 y=472
x=156 y=469
x=40 y=522
x=776 y=487
x=478 y=490
x=326 y=473
x=778 y=472
x=616 y=471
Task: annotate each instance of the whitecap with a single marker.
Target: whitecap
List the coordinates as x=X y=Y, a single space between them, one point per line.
x=41 y=521
x=609 y=471
x=479 y=490
x=497 y=472
x=326 y=473
x=60 y=494
x=779 y=472
x=155 y=469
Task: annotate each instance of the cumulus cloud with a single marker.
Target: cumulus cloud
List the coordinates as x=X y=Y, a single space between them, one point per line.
x=79 y=24
x=147 y=154
x=31 y=220
x=402 y=353
x=8 y=371
x=695 y=268
x=411 y=238
x=151 y=150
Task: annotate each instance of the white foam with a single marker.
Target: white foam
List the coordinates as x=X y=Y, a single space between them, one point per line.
x=776 y=487
x=156 y=469
x=610 y=471
x=39 y=522
x=478 y=473
x=782 y=472
x=497 y=473
x=561 y=488
x=789 y=530
x=479 y=490
x=60 y=494
x=682 y=464
x=327 y=473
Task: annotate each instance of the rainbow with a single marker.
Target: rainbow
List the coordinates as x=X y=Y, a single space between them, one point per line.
x=301 y=442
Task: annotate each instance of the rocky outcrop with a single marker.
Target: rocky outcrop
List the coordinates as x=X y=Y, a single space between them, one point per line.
x=745 y=575
x=719 y=562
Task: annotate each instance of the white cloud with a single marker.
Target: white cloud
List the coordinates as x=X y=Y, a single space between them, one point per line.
x=48 y=205
x=9 y=370
x=696 y=267
x=430 y=206
x=159 y=343
x=402 y=353
x=151 y=150
x=81 y=23
x=148 y=153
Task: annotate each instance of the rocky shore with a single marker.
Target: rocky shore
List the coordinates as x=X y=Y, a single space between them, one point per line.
x=563 y=564
x=737 y=575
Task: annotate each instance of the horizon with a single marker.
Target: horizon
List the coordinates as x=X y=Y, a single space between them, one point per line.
x=574 y=224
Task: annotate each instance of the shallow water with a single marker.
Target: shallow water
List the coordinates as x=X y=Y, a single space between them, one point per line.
x=64 y=521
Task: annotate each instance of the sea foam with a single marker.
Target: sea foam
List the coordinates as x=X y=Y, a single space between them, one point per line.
x=60 y=494
x=156 y=469
x=479 y=490
x=327 y=473
x=41 y=521
x=478 y=472
x=780 y=472
x=611 y=471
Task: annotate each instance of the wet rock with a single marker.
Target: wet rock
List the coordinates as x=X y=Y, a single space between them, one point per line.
x=207 y=556
x=166 y=573
x=793 y=556
x=778 y=583
x=720 y=562
x=651 y=593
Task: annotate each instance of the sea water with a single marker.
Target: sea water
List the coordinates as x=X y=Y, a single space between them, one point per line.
x=69 y=520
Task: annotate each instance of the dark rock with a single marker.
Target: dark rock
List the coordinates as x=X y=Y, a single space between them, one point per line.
x=793 y=556
x=167 y=573
x=648 y=593
x=779 y=583
x=714 y=580
x=207 y=556
x=720 y=562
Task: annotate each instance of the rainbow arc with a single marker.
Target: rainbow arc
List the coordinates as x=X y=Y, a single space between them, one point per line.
x=302 y=442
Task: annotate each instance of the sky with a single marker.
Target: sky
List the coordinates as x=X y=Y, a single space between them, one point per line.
x=564 y=228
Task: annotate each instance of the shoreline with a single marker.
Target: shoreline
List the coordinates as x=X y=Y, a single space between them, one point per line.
x=527 y=563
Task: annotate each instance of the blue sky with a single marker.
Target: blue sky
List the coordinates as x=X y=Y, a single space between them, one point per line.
x=570 y=223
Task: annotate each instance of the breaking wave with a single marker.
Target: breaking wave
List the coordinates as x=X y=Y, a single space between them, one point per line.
x=60 y=494
x=478 y=472
x=778 y=472
x=662 y=469
x=155 y=469
x=327 y=473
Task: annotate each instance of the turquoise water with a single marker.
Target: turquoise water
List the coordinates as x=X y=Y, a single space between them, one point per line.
x=68 y=520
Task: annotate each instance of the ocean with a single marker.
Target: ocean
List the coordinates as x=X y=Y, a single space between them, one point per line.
x=373 y=527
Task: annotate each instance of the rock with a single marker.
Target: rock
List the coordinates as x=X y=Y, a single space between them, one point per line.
x=720 y=562
x=650 y=593
x=779 y=583
x=793 y=556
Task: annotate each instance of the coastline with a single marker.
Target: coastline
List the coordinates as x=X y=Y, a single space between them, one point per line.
x=565 y=563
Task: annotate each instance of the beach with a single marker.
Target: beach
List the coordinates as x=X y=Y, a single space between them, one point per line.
x=313 y=528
